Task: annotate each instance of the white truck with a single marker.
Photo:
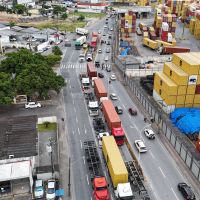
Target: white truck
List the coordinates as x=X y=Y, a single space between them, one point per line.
x=79 y=42
x=99 y=137
x=85 y=83
x=124 y=191
x=81 y=57
x=93 y=108
x=82 y=31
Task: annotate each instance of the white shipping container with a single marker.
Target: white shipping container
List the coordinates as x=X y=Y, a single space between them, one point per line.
x=169 y=37
x=165 y=26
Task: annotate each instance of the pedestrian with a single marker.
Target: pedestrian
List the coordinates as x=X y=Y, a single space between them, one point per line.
x=109 y=81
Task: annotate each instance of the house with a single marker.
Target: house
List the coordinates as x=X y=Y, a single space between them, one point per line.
x=18 y=151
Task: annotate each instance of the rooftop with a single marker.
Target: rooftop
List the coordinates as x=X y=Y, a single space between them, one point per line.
x=18 y=137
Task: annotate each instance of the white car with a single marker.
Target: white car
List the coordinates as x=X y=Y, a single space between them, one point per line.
x=39 y=189
x=99 y=32
x=140 y=146
x=149 y=133
x=100 y=51
x=51 y=190
x=113 y=96
x=32 y=105
x=113 y=77
x=106 y=58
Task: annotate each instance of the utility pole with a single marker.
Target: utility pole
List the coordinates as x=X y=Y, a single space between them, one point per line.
x=69 y=183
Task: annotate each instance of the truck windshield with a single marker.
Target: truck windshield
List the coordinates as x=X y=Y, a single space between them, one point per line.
x=126 y=198
x=119 y=137
x=101 y=188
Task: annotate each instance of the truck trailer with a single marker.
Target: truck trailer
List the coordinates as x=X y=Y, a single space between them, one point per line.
x=82 y=31
x=150 y=43
x=99 y=88
x=99 y=182
x=117 y=168
x=91 y=70
x=171 y=50
x=79 y=42
x=113 y=121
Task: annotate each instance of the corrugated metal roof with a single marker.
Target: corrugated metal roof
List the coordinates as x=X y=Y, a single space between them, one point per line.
x=114 y=155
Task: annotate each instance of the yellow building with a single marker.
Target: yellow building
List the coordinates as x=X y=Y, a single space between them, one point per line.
x=179 y=83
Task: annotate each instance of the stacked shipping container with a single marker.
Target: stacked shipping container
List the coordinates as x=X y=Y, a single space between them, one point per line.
x=195 y=26
x=179 y=83
x=128 y=23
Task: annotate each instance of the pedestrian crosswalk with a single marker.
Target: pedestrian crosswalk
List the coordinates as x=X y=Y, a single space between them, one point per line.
x=73 y=65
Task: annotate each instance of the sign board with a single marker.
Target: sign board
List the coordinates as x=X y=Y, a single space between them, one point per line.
x=192 y=80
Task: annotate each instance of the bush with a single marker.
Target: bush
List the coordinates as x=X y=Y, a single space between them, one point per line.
x=56 y=50
x=81 y=18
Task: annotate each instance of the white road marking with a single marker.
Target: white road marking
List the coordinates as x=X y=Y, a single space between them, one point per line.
x=151 y=154
x=124 y=106
x=73 y=101
x=74 y=109
x=161 y=172
x=174 y=193
x=130 y=117
x=81 y=144
x=79 y=131
x=91 y=198
x=73 y=132
x=132 y=127
x=87 y=180
x=76 y=120
x=84 y=160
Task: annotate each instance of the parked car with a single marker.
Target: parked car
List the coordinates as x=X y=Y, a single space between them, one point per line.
x=68 y=43
x=113 y=77
x=107 y=50
x=113 y=96
x=39 y=189
x=106 y=58
x=140 y=146
x=132 y=111
x=99 y=32
x=104 y=34
x=100 y=75
x=100 y=51
x=108 y=68
x=119 y=109
x=149 y=133
x=32 y=105
x=186 y=191
x=51 y=190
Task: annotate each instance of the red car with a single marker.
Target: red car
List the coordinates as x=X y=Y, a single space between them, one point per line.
x=132 y=111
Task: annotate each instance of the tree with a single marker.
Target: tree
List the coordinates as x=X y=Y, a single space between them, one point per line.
x=2 y=8
x=56 y=50
x=20 y=9
x=11 y=24
x=81 y=17
x=7 y=91
x=57 y=10
x=64 y=16
x=53 y=59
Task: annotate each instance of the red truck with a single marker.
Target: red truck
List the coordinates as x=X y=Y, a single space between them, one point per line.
x=99 y=88
x=100 y=188
x=113 y=121
x=94 y=42
x=91 y=70
x=171 y=50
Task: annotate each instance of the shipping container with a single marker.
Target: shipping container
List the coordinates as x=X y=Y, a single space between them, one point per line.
x=99 y=88
x=150 y=43
x=180 y=105
x=182 y=89
x=91 y=70
x=191 y=89
x=197 y=90
x=180 y=99
x=197 y=98
x=162 y=43
x=189 y=99
x=114 y=161
x=171 y=50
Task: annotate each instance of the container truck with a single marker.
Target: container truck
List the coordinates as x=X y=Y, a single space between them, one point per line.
x=99 y=88
x=171 y=50
x=113 y=121
x=94 y=34
x=99 y=182
x=82 y=31
x=117 y=168
x=163 y=44
x=91 y=70
x=150 y=43
x=79 y=42
x=93 y=106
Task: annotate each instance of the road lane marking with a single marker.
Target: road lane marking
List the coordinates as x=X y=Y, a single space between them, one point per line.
x=87 y=180
x=81 y=144
x=85 y=131
x=174 y=193
x=84 y=160
x=73 y=101
x=73 y=132
x=131 y=127
x=124 y=106
x=151 y=154
x=76 y=120
x=79 y=131
x=90 y=198
x=161 y=172
x=74 y=109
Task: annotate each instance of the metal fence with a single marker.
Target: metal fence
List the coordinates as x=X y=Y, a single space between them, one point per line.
x=179 y=141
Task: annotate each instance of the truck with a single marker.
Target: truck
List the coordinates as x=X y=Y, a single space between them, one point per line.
x=91 y=70
x=81 y=57
x=150 y=43
x=99 y=182
x=171 y=50
x=93 y=107
x=79 y=42
x=82 y=31
x=99 y=89
x=113 y=121
x=117 y=168
x=94 y=42
x=163 y=44
x=85 y=83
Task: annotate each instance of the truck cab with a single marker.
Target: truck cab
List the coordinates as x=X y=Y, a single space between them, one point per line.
x=93 y=107
x=100 y=186
x=124 y=191
x=85 y=83
x=119 y=135
x=100 y=136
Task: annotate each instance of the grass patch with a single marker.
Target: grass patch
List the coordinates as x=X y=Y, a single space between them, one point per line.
x=60 y=25
x=88 y=15
x=50 y=127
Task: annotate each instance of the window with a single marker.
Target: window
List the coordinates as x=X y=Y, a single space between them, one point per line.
x=170 y=73
x=160 y=91
x=160 y=82
x=180 y=62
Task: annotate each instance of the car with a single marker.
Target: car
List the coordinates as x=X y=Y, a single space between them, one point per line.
x=119 y=110
x=99 y=32
x=68 y=43
x=109 y=37
x=51 y=190
x=186 y=191
x=85 y=46
x=99 y=125
x=104 y=34
x=113 y=96
x=106 y=22
x=138 y=31
x=105 y=26
x=113 y=77
x=100 y=51
x=108 y=68
x=106 y=58
x=100 y=75
x=132 y=111
x=111 y=29
x=108 y=42
x=39 y=189
x=149 y=133
x=32 y=105
x=107 y=50
x=89 y=57
x=97 y=64
x=140 y=146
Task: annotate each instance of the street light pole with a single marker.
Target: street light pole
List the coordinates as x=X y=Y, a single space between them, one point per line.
x=69 y=183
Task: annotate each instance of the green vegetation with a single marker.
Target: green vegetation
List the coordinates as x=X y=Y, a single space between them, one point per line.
x=56 y=50
x=28 y=73
x=88 y=15
x=44 y=128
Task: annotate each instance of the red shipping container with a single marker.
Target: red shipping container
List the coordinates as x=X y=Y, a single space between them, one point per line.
x=134 y=22
x=134 y=16
x=164 y=33
x=130 y=12
x=164 y=38
x=157 y=31
x=197 y=90
x=198 y=145
x=152 y=35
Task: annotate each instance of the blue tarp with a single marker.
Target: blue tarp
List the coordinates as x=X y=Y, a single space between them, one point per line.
x=187 y=120
x=125 y=52
x=60 y=193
